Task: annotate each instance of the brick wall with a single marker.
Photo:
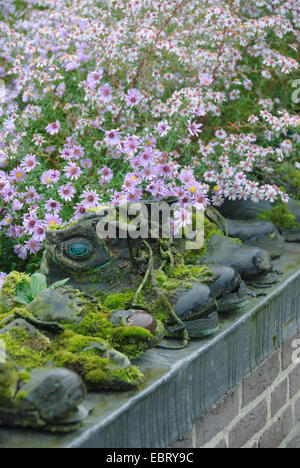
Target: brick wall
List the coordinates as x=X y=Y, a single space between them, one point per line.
x=263 y=411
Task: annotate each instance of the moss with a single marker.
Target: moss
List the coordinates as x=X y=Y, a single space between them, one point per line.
x=27 y=351
x=11 y=282
x=119 y=301
x=95 y=323
x=8 y=384
x=171 y=284
x=158 y=309
x=61 y=227
x=161 y=277
x=24 y=376
x=193 y=272
x=131 y=341
x=98 y=372
x=131 y=375
x=280 y=216
x=291 y=176
x=210 y=229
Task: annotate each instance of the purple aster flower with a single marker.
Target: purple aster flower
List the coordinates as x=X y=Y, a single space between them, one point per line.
x=71 y=66
x=206 y=79
x=133 y=97
x=50 y=177
x=90 y=199
x=131 y=145
x=52 y=220
x=31 y=195
x=105 y=93
x=2 y=279
x=86 y=163
x=94 y=77
x=33 y=246
x=39 y=233
x=67 y=192
x=106 y=175
x=29 y=163
x=112 y=137
x=30 y=222
x=72 y=171
x=163 y=128
x=8 y=193
x=53 y=205
x=80 y=210
x=21 y=251
x=17 y=205
x=53 y=128
x=17 y=174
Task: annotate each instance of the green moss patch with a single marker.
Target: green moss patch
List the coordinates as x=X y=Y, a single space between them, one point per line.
x=281 y=217
x=210 y=229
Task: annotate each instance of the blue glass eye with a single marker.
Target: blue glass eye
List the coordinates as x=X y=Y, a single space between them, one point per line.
x=79 y=250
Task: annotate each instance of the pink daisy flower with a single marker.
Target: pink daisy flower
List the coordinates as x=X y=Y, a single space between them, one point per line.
x=112 y=137
x=105 y=93
x=90 y=199
x=53 y=128
x=194 y=128
x=29 y=163
x=133 y=97
x=33 y=246
x=67 y=192
x=72 y=171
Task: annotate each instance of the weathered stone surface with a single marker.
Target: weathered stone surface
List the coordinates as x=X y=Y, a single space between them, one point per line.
x=184 y=442
x=280 y=429
x=297 y=410
x=182 y=386
x=221 y=445
x=218 y=418
x=248 y=426
x=295 y=381
x=261 y=378
x=288 y=350
x=294 y=442
x=279 y=397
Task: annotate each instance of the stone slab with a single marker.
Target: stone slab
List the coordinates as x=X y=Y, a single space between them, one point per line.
x=181 y=386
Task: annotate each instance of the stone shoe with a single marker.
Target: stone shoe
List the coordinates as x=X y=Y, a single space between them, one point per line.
x=262 y=234
x=248 y=210
x=49 y=401
x=249 y=262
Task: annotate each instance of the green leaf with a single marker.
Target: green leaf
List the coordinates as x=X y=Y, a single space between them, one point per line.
x=60 y=283
x=22 y=300
x=23 y=292
x=38 y=283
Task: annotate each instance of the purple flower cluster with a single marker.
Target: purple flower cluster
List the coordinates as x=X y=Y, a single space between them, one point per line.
x=118 y=100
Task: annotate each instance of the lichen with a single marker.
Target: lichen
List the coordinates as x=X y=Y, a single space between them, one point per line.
x=280 y=216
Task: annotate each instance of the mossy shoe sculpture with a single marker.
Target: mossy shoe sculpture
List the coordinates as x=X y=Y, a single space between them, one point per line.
x=249 y=262
x=286 y=217
x=64 y=327
x=261 y=234
x=228 y=288
x=44 y=399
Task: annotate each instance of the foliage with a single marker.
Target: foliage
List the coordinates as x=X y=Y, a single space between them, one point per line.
x=144 y=99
